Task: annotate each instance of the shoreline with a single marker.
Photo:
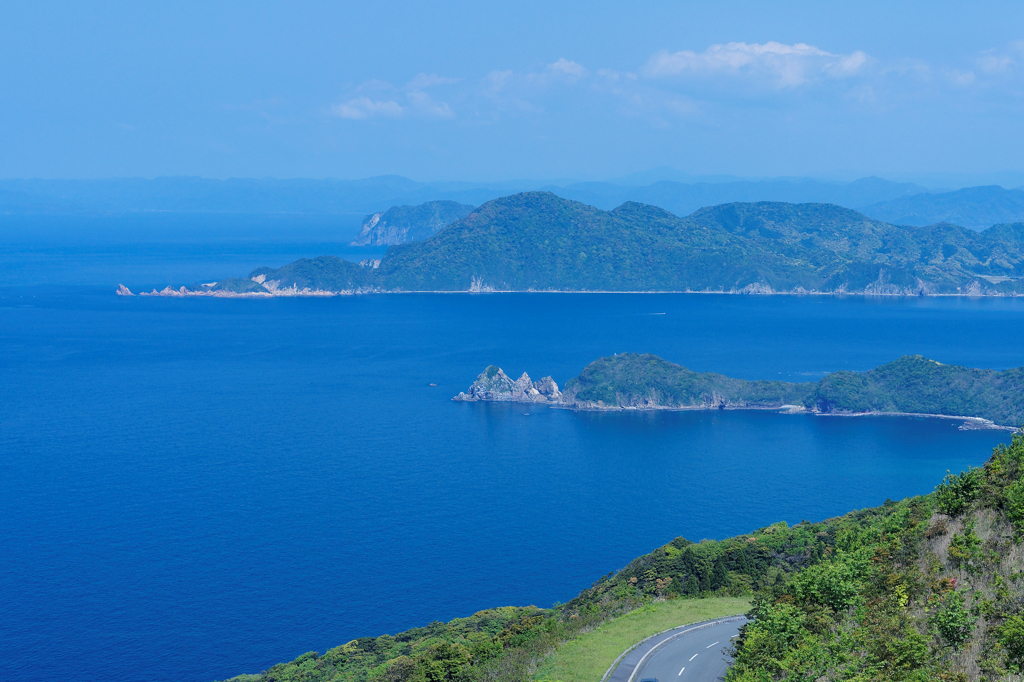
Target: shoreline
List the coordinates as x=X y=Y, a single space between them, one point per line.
x=182 y=292
x=969 y=423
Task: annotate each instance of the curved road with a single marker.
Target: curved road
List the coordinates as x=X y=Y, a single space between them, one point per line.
x=690 y=653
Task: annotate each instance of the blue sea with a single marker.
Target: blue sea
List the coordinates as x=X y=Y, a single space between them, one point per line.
x=198 y=488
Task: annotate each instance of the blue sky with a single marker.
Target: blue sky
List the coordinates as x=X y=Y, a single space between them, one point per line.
x=490 y=91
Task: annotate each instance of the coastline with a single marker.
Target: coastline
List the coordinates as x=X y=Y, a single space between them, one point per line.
x=970 y=423
x=294 y=292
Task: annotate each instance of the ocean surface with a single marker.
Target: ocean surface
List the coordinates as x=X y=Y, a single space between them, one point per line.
x=198 y=488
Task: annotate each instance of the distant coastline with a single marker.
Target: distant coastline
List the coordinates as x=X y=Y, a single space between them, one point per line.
x=969 y=423
x=537 y=242
x=183 y=292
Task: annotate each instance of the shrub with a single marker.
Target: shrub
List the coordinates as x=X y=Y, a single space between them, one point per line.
x=965 y=550
x=1011 y=636
x=1015 y=501
x=828 y=584
x=954 y=621
x=957 y=492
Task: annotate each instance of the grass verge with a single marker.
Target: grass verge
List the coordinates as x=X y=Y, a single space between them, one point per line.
x=586 y=658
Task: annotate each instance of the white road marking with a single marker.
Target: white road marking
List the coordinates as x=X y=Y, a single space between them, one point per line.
x=680 y=672
x=710 y=645
x=693 y=657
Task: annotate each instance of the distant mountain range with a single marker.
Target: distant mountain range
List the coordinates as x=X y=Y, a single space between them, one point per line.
x=901 y=203
x=537 y=241
x=976 y=207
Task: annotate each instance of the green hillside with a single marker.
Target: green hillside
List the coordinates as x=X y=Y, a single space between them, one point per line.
x=538 y=241
x=326 y=273
x=928 y=588
x=911 y=384
x=918 y=385
x=635 y=380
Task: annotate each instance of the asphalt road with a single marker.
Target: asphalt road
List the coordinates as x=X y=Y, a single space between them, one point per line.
x=687 y=654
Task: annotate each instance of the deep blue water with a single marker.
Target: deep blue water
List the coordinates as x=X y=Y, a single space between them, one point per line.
x=198 y=488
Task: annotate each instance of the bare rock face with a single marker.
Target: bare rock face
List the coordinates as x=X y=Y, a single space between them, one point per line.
x=549 y=389
x=493 y=385
x=122 y=290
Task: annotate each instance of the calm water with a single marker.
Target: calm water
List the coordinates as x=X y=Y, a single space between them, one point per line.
x=194 y=489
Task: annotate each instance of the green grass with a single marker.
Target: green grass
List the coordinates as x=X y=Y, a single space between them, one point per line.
x=585 y=659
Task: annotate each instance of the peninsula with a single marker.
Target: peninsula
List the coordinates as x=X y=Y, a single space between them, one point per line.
x=536 y=241
x=911 y=385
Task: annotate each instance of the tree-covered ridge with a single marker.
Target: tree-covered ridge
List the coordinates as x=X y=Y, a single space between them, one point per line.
x=324 y=273
x=917 y=385
x=538 y=241
x=911 y=384
x=645 y=380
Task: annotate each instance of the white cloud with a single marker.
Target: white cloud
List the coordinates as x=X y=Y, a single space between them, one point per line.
x=690 y=84
x=990 y=63
x=422 y=104
x=998 y=61
x=962 y=78
x=565 y=66
x=417 y=102
x=787 y=65
x=497 y=80
x=424 y=80
x=363 y=107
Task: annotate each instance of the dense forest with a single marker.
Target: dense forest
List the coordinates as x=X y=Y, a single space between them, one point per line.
x=911 y=384
x=536 y=241
x=928 y=588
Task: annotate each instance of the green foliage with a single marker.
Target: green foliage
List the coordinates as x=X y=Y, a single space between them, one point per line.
x=834 y=584
x=1015 y=501
x=327 y=273
x=449 y=652
x=1011 y=637
x=957 y=491
x=954 y=621
x=917 y=385
x=884 y=606
x=636 y=380
x=965 y=549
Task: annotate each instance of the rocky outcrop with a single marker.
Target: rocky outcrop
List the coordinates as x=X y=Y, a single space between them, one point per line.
x=493 y=385
x=122 y=290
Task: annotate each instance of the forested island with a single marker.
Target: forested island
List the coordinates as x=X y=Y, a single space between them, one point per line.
x=536 y=241
x=910 y=385
x=925 y=589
